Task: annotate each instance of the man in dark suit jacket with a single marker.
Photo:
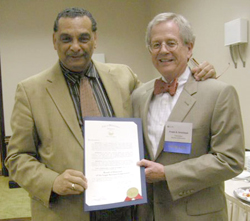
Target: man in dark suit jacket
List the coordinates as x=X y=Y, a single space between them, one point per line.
x=186 y=183
x=45 y=153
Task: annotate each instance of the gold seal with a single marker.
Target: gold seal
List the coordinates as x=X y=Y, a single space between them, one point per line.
x=132 y=192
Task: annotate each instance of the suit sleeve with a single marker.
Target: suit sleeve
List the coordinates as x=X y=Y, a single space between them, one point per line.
x=136 y=82
x=225 y=156
x=22 y=158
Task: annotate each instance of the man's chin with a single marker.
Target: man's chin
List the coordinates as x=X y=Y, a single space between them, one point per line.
x=166 y=71
x=78 y=67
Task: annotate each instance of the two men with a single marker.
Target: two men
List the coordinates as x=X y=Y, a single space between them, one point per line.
x=186 y=184
x=45 y=153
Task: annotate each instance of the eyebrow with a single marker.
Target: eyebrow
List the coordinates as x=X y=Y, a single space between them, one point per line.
x=170 y=39
x=64 y=34
x=85 y=35
x=81 y=34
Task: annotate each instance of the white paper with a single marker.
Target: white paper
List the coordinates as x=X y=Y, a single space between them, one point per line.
x=178 y=132
x=111 y=154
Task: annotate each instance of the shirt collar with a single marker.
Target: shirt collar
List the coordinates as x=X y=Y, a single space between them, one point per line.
x=75 y=77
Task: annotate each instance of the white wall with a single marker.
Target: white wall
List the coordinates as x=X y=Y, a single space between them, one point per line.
x=208 y=18
x=26 y=28
x=26 y=38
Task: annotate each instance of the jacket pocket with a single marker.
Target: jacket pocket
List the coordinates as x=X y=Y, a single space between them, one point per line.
x=206 y=201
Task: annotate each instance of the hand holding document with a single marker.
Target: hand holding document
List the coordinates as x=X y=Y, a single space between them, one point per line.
x=112 y=148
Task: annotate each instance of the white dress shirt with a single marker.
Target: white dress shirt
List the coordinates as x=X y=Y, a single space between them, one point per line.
x=160 y=109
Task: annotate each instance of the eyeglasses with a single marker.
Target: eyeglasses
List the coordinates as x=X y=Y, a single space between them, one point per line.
x=196 y=64
x=169 y=45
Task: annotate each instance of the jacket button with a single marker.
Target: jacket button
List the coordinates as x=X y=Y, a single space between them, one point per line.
x=181 y=193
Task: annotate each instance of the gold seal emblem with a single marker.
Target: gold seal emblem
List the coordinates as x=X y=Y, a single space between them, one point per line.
x=132 y=192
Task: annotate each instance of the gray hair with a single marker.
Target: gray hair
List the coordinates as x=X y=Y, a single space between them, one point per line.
x=73 y=13
x=185 y=28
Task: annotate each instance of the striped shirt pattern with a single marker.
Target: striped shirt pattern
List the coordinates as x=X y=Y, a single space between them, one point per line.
x=73 y=81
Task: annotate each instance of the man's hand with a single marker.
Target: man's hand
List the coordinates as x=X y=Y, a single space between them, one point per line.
x=203 y=71
x=63 y=183
x=154 y=171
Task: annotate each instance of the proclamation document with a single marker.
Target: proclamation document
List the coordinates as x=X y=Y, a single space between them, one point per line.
x=112 y=147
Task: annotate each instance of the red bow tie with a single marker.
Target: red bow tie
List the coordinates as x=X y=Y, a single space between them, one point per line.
x=162 y=87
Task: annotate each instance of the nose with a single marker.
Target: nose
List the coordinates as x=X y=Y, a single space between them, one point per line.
x=75 y=46
x=164 y=47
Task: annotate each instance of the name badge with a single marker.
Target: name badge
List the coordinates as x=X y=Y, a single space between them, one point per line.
x=178 y=137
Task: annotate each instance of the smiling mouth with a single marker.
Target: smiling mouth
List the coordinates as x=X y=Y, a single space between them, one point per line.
x=165 y=60
x=76 y=56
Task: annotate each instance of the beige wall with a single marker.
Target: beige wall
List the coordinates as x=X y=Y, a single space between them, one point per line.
x=26 y=42
x=208 y=18
x=26 y=38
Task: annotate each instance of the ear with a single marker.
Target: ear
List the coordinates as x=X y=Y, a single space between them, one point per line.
x=190 y=47
x=54 y=40
x=95 y=40
x=150 y=52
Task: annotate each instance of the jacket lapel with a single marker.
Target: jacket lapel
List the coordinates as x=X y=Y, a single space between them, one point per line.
x=181 y=108
x=112 y=88
x=146 y=97
x=59 y=93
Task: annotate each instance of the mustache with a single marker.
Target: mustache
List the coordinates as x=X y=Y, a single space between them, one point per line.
x=85 y=54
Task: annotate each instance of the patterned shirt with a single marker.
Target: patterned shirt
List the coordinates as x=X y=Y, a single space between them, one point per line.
x=73 y=81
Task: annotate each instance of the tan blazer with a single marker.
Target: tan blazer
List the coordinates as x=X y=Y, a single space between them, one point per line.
x=47 y=138
x=194 y=187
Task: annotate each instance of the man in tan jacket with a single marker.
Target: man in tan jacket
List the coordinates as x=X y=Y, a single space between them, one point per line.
x=186 y=168
x=45 y=153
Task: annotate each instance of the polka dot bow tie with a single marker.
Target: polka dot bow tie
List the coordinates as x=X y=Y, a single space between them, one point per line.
x=163 y=87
